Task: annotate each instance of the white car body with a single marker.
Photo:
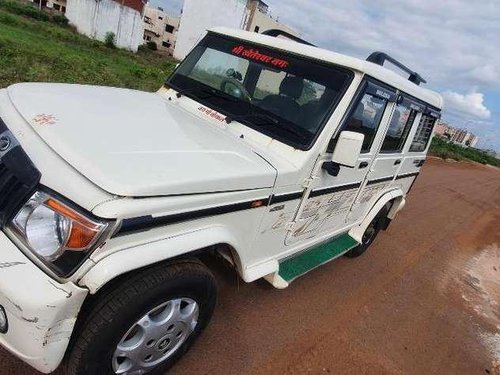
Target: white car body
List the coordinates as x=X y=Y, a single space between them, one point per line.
x=176 y=178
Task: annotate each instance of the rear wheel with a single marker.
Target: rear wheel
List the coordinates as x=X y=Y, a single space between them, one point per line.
x=145 y=323
x=370 y=234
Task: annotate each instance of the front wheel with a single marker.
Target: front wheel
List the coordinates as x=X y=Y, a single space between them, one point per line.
x=145 y=323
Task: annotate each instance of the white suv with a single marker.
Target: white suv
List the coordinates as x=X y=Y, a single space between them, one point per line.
x=273 y=153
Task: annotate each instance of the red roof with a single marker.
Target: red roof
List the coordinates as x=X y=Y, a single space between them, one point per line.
x=134 y=4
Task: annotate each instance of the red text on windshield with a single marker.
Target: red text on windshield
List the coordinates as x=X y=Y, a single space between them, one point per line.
x=255 y=55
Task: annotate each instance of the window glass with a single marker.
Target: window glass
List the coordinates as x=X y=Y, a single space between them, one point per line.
x=423 y=134
x=268 y=84
x=401 y=122
x=366 y=118
x=213 y=66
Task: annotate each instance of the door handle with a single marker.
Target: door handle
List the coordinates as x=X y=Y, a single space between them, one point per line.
x=363 y=164
x=397 y=162
x=419 y=163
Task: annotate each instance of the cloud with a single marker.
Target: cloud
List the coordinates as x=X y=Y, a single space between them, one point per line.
x=485 y=74
x=449 y=42
x=466 y=105
x=452 y=44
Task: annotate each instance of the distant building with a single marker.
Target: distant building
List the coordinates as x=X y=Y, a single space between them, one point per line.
x=441 y=128
x=259 y=19
x=250 y=15
x=97 y=18
x=459 y=136
x=161 y=28
x=471 y=140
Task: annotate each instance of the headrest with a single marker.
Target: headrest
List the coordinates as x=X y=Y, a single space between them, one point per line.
x=292 y=87
x=360 y=111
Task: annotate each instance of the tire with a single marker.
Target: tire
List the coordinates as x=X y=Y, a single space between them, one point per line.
x=133 y=318
x=370 y=234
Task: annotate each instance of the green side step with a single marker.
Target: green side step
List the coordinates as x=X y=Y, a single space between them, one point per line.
x=292 y=268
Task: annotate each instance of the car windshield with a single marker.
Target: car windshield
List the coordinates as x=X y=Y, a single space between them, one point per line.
x=279 y=94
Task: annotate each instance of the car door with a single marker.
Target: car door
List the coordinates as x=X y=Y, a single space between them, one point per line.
x=326 y=209
x=389 y=157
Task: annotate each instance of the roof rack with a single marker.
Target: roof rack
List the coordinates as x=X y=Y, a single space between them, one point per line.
x=380 y=58
x=276 y=33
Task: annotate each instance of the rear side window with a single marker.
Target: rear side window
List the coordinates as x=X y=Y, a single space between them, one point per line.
x=401 y=122
x=366 y=118
x=423 y=134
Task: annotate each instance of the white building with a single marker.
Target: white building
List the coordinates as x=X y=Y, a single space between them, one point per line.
x=97 y=18
x=198 y=16
x=259 y=19
x=161 y=28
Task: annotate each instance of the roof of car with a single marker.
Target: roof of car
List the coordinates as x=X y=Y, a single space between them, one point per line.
x=376 y=71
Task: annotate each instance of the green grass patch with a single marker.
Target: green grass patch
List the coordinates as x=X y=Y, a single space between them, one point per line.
x=35 y=50
x=442 y=148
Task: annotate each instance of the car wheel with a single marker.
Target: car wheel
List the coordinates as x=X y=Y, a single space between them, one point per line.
x=370 y=234
x=145 y=323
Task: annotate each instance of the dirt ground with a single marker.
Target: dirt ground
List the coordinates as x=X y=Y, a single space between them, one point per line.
x=425 y=299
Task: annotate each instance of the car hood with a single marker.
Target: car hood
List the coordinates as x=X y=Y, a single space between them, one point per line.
x=133 y=143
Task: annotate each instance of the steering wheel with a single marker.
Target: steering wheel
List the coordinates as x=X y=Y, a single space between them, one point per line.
x=236 y=89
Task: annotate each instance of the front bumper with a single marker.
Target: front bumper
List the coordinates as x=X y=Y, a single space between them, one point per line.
x=40 y=311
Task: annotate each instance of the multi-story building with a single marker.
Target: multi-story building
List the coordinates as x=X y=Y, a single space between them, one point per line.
x=471 y=140
x=458 y=136
x=161 y=28
x=259 y=19
x=441 y=129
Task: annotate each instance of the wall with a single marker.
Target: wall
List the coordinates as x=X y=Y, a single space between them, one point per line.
x=198 y=16
x=96 y=18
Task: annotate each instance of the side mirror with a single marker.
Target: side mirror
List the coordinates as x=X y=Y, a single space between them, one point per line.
x=346 y=153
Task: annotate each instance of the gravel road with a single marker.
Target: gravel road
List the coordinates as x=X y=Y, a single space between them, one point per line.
x=425 y=299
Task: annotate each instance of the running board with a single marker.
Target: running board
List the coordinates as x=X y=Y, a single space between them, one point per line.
x=299 y=265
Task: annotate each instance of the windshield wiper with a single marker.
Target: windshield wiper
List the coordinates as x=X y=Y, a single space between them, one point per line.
x=270 y=120
x=209 y=92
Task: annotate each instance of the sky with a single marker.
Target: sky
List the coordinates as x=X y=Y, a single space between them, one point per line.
x=453 y=44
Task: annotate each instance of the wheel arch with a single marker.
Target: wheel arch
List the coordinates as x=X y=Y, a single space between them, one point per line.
x=187 y=245
x=395 y=196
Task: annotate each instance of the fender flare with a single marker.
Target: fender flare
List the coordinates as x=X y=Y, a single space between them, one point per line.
x=399 y=202
x=146 y=254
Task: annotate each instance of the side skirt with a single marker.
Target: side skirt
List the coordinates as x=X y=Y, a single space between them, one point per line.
x=294 y=267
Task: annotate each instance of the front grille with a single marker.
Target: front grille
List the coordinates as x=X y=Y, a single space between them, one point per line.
x=18 y=177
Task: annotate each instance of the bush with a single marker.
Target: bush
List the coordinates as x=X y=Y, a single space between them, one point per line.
x=152 y=45
x=60 y=19
x=109 y=39
x=447 y=150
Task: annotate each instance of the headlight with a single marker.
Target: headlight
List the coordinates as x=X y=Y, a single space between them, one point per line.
x=56 y=233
